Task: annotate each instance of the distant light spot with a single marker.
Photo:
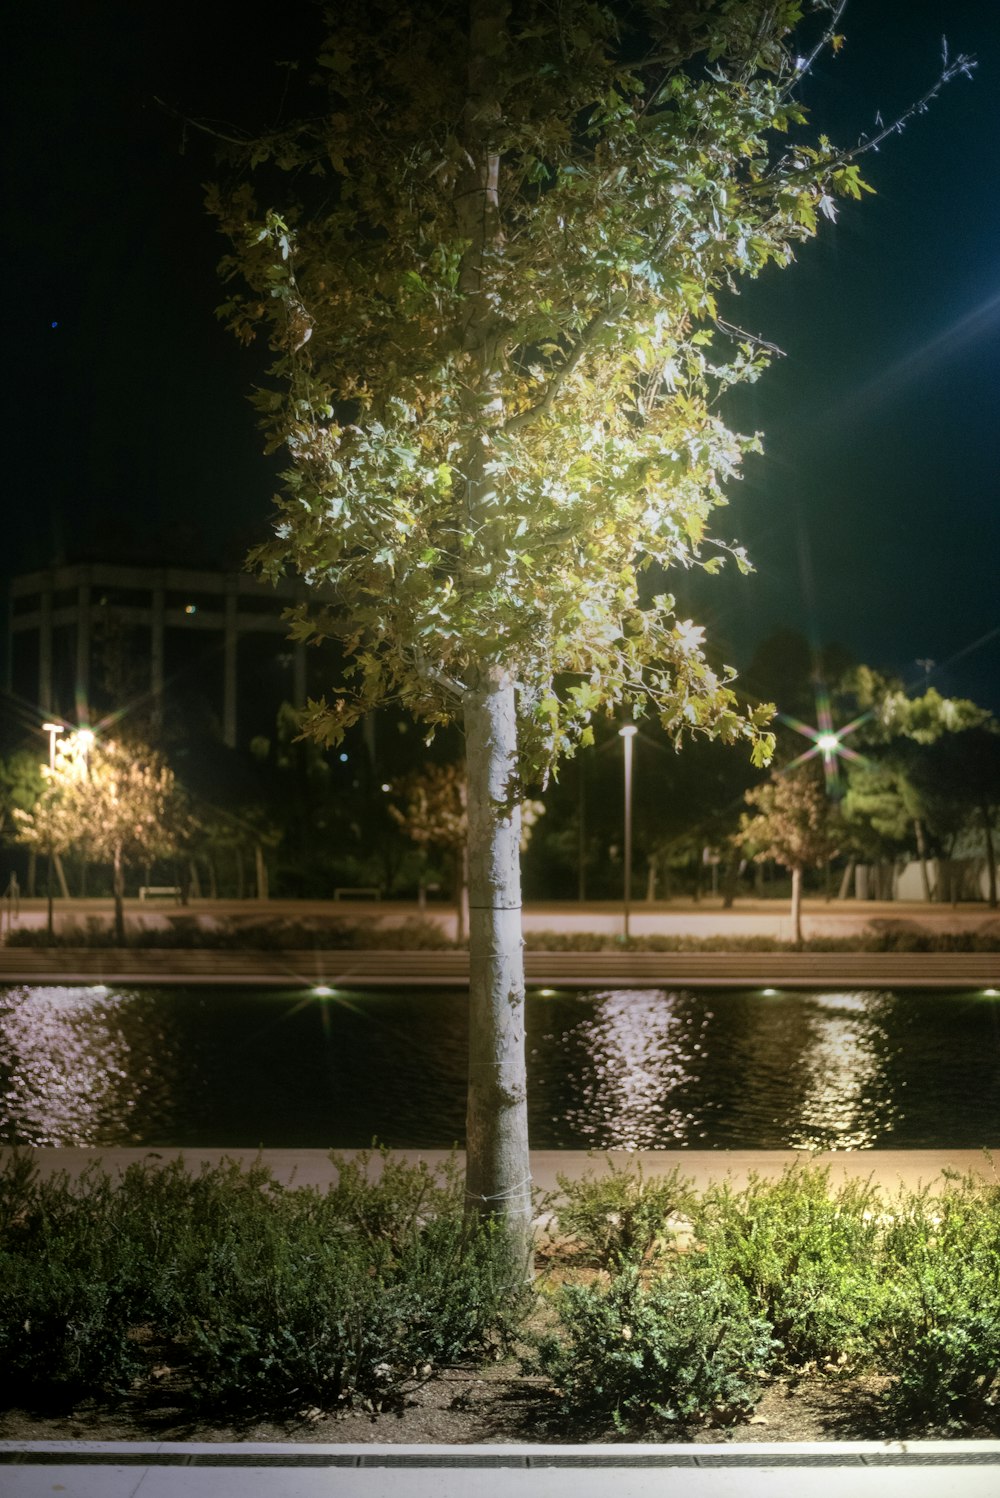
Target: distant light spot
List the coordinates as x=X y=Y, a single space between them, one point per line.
x=343 y=759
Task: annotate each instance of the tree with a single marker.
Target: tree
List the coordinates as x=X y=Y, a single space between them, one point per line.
x=431 y=806
x=895 y=788
x=115 y=802
x=793 y=822
x=962 y=769
x=491 y=292
x=434 y=814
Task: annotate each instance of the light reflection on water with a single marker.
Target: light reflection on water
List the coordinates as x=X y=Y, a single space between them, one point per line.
x=64 y=1058
x=638 y=1092
x=630 y=1069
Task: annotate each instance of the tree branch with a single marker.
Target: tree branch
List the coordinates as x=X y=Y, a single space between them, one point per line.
x=597 y=324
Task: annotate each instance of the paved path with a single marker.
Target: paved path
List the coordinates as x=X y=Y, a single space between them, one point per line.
x=889 y=1169
x=364 y=969
x=923 y=1469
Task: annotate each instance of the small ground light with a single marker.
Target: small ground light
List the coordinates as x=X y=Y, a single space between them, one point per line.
x=769 y=993
x=991 y=993
x=546 y=993
x=322 y=991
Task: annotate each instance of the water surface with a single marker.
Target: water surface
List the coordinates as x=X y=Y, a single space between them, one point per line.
x=618 y=1069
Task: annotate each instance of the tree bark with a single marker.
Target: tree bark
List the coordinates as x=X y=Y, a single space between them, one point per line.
x=918 y=832
x=991 y=857
x=844 y=892
x=119 y=893
x=498 y=1171
x=498 y=1178
x=263 y=888
x=797 y=906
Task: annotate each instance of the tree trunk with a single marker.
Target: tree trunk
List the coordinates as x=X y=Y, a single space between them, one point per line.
x=61 y=876
x=844 y=891
x=797 y=907
x=581 y=831
x=119 y=893
x=991 y=857
x=650 y=878
x=918 y=833
x=498 y=1171
x=730 y=880
x=32 y=872
x=460 y=887
x=263 y=892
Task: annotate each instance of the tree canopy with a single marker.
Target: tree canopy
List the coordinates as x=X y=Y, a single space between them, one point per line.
x=644 y=159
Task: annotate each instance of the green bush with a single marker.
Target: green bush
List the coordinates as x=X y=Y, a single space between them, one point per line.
x=684 y=1349
x=806 y=1256
x=68 y=1289
x=940 y=1330
x=272 y=1297
x=623 y=1217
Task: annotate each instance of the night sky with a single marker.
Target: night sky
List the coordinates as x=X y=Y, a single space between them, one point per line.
x=873 y=517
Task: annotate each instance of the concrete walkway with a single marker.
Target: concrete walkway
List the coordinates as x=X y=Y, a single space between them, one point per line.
x=888 y=1169
x=922 y=1469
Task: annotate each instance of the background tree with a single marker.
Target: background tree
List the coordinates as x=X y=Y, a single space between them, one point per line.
x=962 y=771
x=21 y=787
x=793 y=822
x=117 y=803
x=491 y=290
x=894 y=791
x=431 y=806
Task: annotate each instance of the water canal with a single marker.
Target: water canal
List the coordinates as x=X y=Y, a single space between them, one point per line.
x=616 y=1069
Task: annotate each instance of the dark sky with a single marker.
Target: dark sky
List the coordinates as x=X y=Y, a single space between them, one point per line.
x=873 y=518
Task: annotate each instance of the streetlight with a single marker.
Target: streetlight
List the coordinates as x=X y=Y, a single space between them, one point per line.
x=52 y=729
x=627 y=733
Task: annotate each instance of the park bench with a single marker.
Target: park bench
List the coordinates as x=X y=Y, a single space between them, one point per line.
x=166 y=891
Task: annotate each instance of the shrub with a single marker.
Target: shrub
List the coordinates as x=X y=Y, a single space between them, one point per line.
x=684 y=1349
x=806 y=1256
x=273 y=1296
x=622 y=1218
x=940 y=1331
x=68 y=1285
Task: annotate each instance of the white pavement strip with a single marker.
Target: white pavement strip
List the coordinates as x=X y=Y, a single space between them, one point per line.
x=113 y=1470
x=285 y=1482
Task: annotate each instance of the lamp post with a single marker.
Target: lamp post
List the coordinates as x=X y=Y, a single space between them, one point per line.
x=627 y=733
x=52 y=729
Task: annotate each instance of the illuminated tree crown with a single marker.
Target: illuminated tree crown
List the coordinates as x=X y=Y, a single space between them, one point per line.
x=498 y=418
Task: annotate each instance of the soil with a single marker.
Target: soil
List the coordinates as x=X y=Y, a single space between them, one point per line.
x=491 y=1404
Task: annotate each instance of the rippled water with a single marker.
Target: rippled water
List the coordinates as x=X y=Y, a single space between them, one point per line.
x=619 y=1069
